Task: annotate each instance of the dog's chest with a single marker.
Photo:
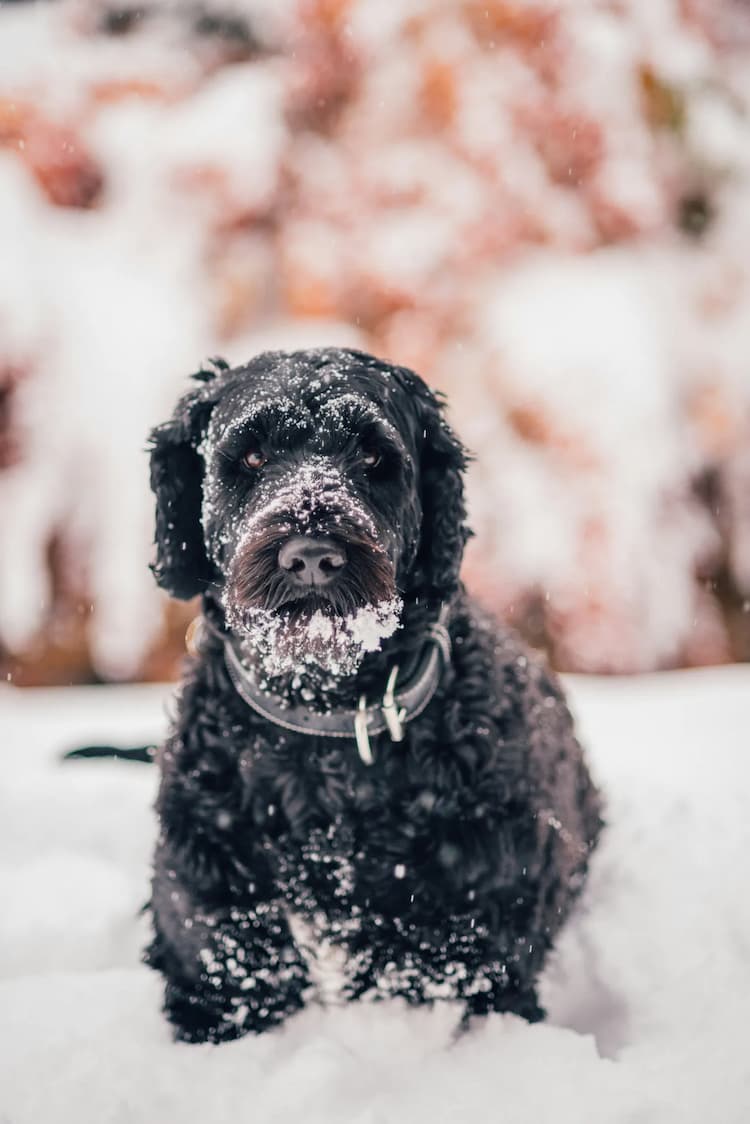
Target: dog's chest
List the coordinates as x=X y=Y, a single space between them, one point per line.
x=352 y=945
x=326 y=956
x=352 y=898
x=317 y=882
x=366 y=906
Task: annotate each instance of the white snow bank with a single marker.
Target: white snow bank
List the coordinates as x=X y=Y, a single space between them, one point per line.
x=647 y=994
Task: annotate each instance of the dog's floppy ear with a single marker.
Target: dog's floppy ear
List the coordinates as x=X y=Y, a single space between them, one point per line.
x=443 y=460
x=182 y=566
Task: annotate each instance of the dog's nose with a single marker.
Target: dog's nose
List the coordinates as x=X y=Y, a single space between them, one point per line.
x=311 y=561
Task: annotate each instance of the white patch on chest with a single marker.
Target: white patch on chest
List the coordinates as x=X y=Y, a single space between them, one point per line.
x=326 y=960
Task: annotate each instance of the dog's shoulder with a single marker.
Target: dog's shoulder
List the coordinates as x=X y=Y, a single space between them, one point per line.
x=484 y=645
x=502 y=684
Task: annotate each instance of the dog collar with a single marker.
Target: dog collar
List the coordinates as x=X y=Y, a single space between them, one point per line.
x=398 y=706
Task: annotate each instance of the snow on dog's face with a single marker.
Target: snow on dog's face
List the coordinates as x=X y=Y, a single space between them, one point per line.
x=311 y=478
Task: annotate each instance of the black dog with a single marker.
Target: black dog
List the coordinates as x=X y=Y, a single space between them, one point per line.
x=369 y=790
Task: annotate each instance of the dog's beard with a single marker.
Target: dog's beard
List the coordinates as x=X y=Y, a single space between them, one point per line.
x=323 y=633
x=289 y=642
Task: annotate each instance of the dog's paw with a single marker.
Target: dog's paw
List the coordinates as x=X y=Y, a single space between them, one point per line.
x=510 y=1001
x=194 y=1018
x=197 y=1016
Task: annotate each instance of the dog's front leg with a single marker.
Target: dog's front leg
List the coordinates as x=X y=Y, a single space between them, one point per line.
x=244 y=976
x=230 y=969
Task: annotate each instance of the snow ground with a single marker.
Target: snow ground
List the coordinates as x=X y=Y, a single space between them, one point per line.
x=647 y=994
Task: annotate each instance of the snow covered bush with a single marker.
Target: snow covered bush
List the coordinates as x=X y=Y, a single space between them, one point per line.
x=542 y=206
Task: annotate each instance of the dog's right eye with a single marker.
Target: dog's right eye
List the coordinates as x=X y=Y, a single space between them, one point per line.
x=253 y=459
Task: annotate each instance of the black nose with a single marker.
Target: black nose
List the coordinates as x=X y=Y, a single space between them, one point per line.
x=311 y=561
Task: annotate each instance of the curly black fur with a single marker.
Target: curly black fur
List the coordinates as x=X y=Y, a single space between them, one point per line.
x=446 y=868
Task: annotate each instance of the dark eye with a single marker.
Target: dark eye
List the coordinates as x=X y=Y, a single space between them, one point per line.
x=371 y=458
x=254 y=459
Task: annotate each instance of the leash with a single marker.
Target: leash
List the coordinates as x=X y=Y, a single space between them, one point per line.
x=393 y=712
x=142 y=753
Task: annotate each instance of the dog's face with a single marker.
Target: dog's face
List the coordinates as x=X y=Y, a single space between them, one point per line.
x=311 y=490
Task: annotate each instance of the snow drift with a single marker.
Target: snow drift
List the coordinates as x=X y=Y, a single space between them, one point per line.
x=647 y=993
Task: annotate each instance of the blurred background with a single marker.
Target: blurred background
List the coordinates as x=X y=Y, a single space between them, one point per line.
x=541 y=205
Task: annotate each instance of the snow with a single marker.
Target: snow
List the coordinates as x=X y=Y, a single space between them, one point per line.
x=315 y=485
x=611 y=477
x=647 y=992
x=286 y=643
x=370 y=625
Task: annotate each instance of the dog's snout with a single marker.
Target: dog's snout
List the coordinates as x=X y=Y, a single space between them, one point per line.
x=311 y=561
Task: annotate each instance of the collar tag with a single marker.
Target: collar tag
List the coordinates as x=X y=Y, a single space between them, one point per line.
x=360 y=732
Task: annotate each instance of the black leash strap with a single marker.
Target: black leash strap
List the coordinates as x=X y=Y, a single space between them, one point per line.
x=144 y=753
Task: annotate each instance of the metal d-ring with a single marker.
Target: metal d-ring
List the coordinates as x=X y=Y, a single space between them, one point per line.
x=360 y=732
x=393 y=716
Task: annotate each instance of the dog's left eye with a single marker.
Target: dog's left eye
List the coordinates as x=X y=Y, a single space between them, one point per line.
x=371 y=459
x=254 y=459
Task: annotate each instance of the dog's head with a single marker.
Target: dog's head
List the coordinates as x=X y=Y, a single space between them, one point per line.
x=310 y=490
